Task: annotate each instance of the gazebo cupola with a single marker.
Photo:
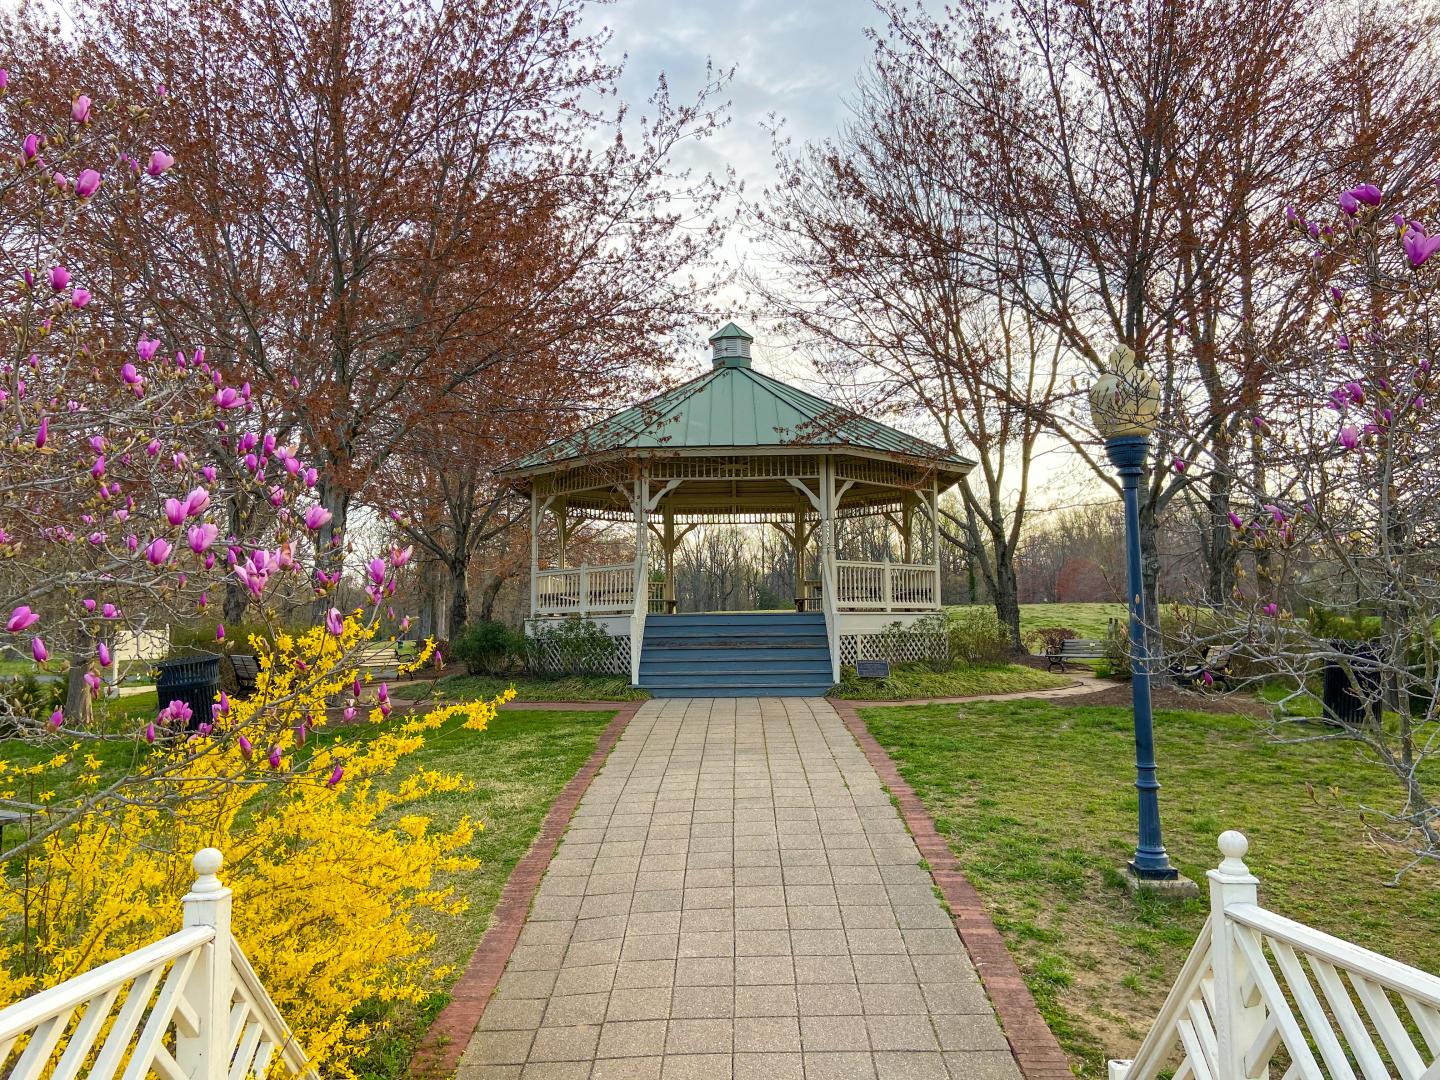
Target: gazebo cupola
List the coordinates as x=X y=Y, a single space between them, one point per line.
x=735 y=446
x=730 y=347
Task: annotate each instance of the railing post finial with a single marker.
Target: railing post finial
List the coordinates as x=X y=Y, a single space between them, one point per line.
x=207 y=863
x=1234 y=845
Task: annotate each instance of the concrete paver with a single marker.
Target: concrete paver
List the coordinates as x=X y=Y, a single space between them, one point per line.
x=737 y=897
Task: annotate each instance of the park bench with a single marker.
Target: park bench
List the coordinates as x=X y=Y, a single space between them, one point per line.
x=1216 y=661
x=247 y=671
x=1073 y=649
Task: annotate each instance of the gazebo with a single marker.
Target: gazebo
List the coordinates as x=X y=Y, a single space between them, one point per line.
x=738 y=447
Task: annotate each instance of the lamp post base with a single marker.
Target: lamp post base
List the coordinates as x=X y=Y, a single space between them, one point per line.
x=1177 y=887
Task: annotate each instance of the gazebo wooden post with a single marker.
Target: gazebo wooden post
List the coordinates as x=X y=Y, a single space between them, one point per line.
x=534 y=552
x=667 y=544
x=828 y=597
x=935 y=535
x=642 y=574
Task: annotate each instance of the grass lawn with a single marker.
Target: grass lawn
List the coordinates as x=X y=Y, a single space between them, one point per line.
x=532 y=688
x=518 y=767
x=1088 y=620
x=964 y=680
x=1036 y=800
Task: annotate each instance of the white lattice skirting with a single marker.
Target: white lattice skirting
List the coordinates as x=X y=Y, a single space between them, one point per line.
x=896 y=647
x=560 y=657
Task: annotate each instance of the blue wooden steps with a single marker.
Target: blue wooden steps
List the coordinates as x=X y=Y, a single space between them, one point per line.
x=735 y=655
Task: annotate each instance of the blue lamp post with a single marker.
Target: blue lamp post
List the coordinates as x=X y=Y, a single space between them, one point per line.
x=1124 y=403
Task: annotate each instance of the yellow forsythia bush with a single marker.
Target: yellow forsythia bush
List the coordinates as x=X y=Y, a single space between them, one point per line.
x=330 y=876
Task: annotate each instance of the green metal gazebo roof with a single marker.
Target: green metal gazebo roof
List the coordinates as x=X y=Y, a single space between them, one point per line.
x=733 y=408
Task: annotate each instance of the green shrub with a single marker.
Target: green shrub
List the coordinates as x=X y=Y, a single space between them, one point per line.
x=977 y=636
x=27 y=696
x=1049 y=639
x=1117 y=652
x=488 y=648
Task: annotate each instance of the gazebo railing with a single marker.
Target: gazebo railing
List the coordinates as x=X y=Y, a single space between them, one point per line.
x=886 y=586
x=586 y=590
x=1259 y=988
x=186 y=1007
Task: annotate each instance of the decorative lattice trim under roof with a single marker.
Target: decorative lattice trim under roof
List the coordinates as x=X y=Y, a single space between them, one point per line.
x=733 y=408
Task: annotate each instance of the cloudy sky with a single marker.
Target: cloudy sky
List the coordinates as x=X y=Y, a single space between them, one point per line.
x=796 y=62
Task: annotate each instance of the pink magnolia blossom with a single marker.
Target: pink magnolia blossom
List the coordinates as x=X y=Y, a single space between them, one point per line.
x=316 y=517
x=246 y=749
x=57 y=718
x=110 y=611
x=201 y=537
x=1272 y=609
x=174 y=511
x=59 y=278
x=158 y=551
x=38 y=650
x=43 y=433
x=197 y=502
x=87 y=183
x=377 y=571
x=102 y=652
x=22 y=618
x=400 y=556
x=227 y=398
x=335 y=622
x=1418 y=246
x=336 y=776
x=146 y=347
x=1235 y=521
x=79 y=298
x=1368 y=194
x=80 y=109
x=274 y=756
x=150 y=732
x=30 y=149
x=160 y=163
x=220 y=631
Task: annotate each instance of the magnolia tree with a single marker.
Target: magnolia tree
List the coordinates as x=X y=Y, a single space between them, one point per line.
x=118 y=454
x=1350 y=526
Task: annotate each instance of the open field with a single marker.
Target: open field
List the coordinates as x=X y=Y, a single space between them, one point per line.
x=1036 y=800
x=1088 y=620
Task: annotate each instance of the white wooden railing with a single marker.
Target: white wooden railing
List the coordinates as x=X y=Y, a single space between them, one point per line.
x=586 y=590
x=1257 y=986
x=886 y=586
x=186 y=1007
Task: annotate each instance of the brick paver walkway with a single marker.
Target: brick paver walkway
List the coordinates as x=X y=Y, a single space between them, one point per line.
x=737 y=896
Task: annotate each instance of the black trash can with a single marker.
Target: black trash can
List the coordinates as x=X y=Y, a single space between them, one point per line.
x=193 y=679
x=1347 y=701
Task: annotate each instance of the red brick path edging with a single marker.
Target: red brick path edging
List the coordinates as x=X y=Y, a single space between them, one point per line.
x=1035 y=1047
x=439 y=1052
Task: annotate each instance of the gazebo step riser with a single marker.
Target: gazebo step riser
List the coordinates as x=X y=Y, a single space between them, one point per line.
x=648 y=670
x=765 y=628
x=817 y=690
x=788 y=618
x=703 y=683
x=749 y=650
x=755 y=644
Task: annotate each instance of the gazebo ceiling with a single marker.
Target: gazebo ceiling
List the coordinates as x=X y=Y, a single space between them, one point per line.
x=732 y=413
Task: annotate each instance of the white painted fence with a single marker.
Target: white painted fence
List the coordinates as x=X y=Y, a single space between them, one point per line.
x=118 y=1020
x=886 y=586
x=1259 y=989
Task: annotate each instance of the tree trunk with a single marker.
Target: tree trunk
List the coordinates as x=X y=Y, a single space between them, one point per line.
x=237 y=597
x=77 y=695
x=1007 y=595
x=1150 y=582
x=459 y=593
x=488 y=595
x=330 y=537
